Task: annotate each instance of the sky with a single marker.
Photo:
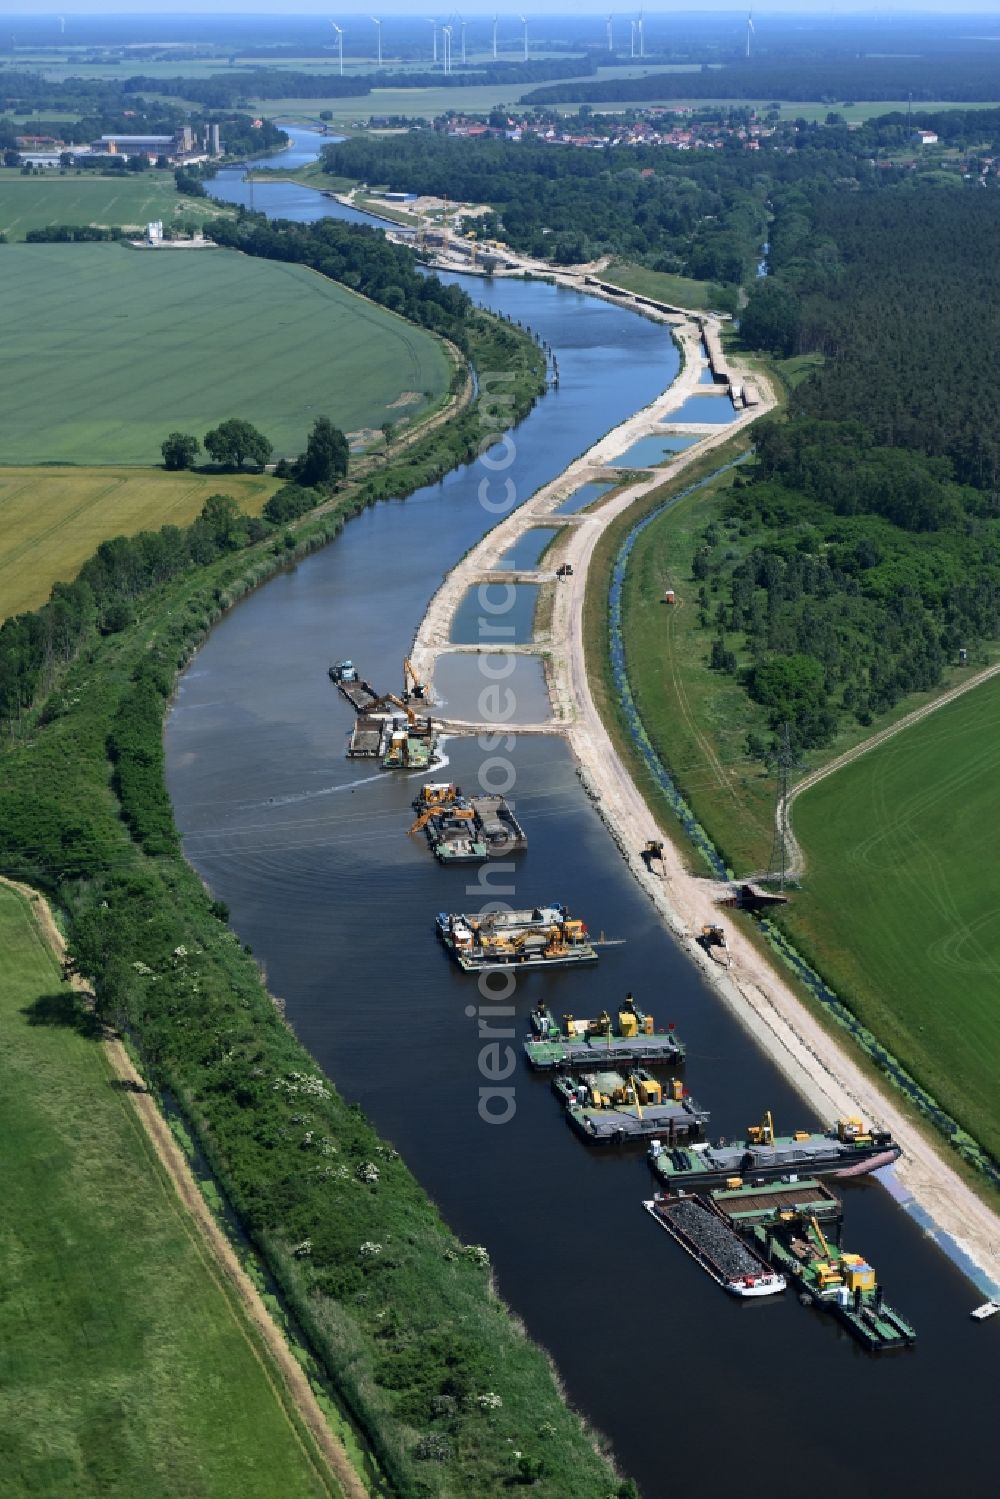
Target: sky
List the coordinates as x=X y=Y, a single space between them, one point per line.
x=488 y=7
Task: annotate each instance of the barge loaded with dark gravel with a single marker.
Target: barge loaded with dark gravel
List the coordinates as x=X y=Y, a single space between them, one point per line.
x=706 y=1236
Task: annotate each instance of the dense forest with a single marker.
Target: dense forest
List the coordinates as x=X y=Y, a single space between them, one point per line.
x=707 y=218
x=898 y=291
x=239 y=85
x=864 y=552
x=825 y=614
x=963 y=77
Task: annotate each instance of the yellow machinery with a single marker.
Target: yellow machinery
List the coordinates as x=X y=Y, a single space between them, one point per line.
x=412 y=685
x=858 y=1274
x=397 y=702
x=628 y=1023
x=444 y=809
x=762 y=1133
x=828 y=1277
x=853 y=1132
x=821 y=1236
x=649 y=1090
x=436 y=793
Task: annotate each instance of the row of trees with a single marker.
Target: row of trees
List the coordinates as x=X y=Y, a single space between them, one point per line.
x=237 y=444
x=232 y=444
x=33 y=646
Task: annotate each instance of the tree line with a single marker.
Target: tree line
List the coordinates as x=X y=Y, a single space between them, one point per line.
x=962 y=77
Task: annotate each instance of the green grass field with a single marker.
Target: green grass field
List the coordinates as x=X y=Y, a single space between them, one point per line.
x=107 y=349
x=53 y=519
x=681 y=290
x=131 y=202
x=125 y=1366
x=901 y=900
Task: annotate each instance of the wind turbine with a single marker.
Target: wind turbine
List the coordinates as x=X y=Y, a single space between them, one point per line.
x=461 y=32
x=378 y=32
x=632 y=29
x=749 y=31
x=446 y=38
x=524 y=23
x=642 y=35
x=611 y=34
x=434 y=33
x=340 y=45
x=62 y=25
x=495 y=19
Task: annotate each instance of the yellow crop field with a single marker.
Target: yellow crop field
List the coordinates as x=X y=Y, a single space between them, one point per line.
x=53 y=519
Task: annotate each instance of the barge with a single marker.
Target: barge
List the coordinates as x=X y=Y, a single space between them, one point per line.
x=846 y=1150
x=359 y=693
x=466 y=830
x=366 y=738
x=539 y=938
x=400 y=744
x=625 y=1108
x=718 y=1249
x=498 y=828
x=578 y=1043
x=833 y=1280
x=748 y=1206
x=408 y=748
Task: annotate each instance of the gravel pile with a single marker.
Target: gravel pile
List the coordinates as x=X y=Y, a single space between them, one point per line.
x=724 y=1246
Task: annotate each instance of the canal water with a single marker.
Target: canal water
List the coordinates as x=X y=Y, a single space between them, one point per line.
x=312 y=855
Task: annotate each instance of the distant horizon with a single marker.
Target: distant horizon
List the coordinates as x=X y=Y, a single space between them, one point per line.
x=556 y=9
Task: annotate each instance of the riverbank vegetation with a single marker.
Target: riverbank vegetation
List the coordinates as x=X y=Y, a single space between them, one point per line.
x=98 y=347
x=128 y=1364
x=441 y=1380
